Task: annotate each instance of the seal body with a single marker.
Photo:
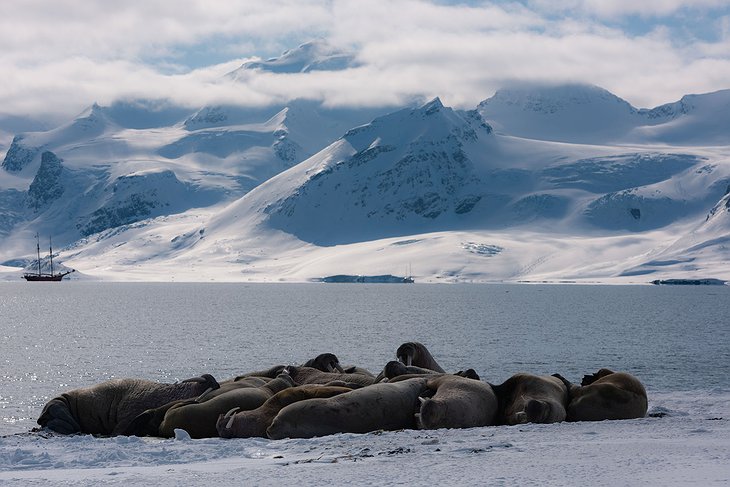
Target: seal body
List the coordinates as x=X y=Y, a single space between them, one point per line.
x=382 y=406
x=308 y=375
x=457 y=402
x=415 y=353
x=109 y=407
x=528 y=398
x=607 y=395
x=247 y=424
x=199 y=418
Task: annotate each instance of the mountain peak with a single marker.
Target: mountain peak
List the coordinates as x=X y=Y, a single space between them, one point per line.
x=553 y=98
x=570 y=112
x=432 y=106
x=316 y=55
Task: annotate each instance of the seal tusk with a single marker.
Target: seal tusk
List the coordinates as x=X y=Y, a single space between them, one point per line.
x=231 y=412
x=200 y=397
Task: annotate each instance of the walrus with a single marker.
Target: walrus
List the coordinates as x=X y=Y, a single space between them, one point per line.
x=395 y=369
x=308 y=375
x=199 y=418
x=457 y=402
x=148 y=422
x=242 y=382
x=606 y=395
x=326 y=362
x=253 y=423
x=382 y=406
x=271 y=373
x=527 y=398
x=109 y=407
x=414 y=353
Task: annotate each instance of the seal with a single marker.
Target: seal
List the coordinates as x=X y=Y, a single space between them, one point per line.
x=415 y=353
x=383 y=406
x=199 y=418
x=395 y=368
x=607 y=395
x=148 y=422
x=457 y=402
x=248 y=424
x=109 y=407
x=527 y=398
x=308 y=375
x=326 y=362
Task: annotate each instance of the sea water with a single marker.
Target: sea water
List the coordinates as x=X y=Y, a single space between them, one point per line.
x=59 y=336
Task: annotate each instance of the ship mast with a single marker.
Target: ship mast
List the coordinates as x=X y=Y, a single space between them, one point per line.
x=38 y=249
x=50 y=253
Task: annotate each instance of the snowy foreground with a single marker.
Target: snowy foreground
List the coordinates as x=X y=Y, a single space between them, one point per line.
x=686 y=442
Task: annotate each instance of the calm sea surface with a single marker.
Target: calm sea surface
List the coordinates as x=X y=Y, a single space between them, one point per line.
x=55 y=337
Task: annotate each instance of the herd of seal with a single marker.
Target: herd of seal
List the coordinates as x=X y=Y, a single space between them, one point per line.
x=322 y=398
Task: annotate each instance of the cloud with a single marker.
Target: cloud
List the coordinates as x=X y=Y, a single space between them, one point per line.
x=613 y=9
x=59 y=57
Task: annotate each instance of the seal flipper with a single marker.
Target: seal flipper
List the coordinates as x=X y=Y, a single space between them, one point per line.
x=537 y=411
x=142 y=425
x=565 y=381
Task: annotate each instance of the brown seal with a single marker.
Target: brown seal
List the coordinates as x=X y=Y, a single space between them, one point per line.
x=109 y=407
x=247 y=424
x=607 y=395
x=527 y=398
x=308 y=375
x=199 y=418
x=415 y=353
x=384 y=406
x=457 y=402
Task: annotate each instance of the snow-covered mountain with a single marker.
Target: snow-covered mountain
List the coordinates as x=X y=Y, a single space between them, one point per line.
x=315 y=55
x=117 y=165
x=588 y=114
x=538 y=183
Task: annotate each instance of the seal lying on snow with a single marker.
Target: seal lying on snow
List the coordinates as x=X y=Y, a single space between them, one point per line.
x=607 y=395
x=457 y=402
x=109 y=407
x=383 y=406
x=527 y=398
x=326 y=362
x=395 y=369
x=199 y=418
x=308 y=375
x=247 y=424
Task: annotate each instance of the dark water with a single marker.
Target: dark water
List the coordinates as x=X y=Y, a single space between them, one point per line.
x=60 y=336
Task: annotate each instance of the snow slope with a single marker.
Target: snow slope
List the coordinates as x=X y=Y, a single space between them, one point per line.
x=589 y=114
x=557 y=183
x=118 y=166
x=688 y=446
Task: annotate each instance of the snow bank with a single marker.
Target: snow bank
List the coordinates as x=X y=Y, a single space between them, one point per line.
x=686 y=445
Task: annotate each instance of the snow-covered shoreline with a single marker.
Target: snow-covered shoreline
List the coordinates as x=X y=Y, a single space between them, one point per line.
x=687 y=446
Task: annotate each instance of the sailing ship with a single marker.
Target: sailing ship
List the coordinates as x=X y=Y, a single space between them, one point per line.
x=40 y=276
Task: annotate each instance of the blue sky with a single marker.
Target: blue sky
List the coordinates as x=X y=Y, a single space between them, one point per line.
x=59 y=57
